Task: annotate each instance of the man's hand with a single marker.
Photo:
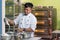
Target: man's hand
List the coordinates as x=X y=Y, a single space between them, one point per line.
x=25 y=29
x=20 y=29
x=11 y=22
x=28 y=30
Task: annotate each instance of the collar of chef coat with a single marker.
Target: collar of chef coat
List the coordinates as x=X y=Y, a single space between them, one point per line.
x=27 y=14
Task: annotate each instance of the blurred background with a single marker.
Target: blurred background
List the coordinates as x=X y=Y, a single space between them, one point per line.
x=47 y=13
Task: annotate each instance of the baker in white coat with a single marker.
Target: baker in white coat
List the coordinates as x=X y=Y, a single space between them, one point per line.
x=26 y=21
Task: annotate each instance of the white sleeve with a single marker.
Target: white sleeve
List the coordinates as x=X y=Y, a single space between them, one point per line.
x=16 y=21
x=33 y=23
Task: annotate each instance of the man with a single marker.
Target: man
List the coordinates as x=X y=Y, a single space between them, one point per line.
x=26 y=21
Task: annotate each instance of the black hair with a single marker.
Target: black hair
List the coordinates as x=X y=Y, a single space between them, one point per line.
x=28 y=5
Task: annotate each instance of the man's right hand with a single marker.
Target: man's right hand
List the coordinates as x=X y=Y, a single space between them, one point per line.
x=11 y=22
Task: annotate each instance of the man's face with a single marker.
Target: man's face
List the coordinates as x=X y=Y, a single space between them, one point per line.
x=27 y=10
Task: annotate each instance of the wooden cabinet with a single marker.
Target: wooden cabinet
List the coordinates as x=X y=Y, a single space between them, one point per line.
x=44 y=21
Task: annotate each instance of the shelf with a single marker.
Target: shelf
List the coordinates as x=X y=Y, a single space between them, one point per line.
x=39 y=14
x=44 y=21
x=41 y=22
x=39 y=30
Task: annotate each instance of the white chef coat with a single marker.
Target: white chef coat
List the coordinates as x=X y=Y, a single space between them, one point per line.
x=26 y=21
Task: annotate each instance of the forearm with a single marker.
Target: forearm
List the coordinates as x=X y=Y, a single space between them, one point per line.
x=25 y=29
x=28 y=30
x=20 y=29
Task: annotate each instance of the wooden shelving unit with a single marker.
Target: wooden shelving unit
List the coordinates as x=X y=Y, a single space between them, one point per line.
x=44 y=21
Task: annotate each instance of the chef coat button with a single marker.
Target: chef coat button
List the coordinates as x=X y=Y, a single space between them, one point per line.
x=20 y=23
x=27 y=20
x=26 y=24
x=21 y=19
